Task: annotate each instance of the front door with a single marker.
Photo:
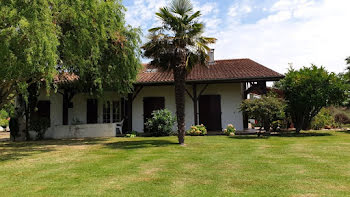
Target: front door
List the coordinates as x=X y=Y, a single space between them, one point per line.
x=91 y=111
x=210 y=112
x=151 y=104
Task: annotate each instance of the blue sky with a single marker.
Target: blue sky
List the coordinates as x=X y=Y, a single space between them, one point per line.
x=275 y=33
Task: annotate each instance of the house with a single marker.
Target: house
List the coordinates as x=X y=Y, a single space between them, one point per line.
x=213 y=96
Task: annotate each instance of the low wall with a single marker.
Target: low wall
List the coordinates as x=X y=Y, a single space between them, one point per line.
x=81 y=131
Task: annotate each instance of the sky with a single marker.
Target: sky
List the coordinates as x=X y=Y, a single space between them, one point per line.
x=275 y=33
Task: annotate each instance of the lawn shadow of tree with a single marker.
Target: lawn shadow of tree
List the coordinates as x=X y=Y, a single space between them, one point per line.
x=140 y=144
x=302 y=134
x=282 y=134
x=249 y=137
x=345 y=131
x=18 y=150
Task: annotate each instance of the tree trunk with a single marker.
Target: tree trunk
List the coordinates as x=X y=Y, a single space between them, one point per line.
x=180 y=85
x=18 y=125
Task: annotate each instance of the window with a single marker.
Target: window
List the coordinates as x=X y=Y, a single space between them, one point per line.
x=107 y=112
x=111 y=111
x=116 y=111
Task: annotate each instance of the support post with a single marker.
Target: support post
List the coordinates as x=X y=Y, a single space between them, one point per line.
x=65 y=108
x=244 y=97
x=129 y=111
x=195 y=104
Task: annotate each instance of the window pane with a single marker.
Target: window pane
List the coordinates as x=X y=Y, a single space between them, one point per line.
x=116 y=111
x=107 y=112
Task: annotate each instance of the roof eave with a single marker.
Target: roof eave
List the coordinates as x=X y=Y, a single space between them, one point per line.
x=208 y=81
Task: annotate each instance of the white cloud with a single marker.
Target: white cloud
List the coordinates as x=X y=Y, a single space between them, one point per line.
x=142 y=12
x=239 y=10
x=296 y=31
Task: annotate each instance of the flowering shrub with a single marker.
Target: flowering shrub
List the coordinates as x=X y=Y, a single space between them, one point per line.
x=161 y=123
x=230 y=130
x=197 y=130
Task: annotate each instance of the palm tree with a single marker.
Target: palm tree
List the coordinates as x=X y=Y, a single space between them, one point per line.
x=178 y=45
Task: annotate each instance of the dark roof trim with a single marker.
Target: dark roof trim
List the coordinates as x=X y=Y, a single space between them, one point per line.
x=211 y=81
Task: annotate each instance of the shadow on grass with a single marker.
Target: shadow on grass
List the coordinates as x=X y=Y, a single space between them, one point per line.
x=345 y=131
x=140 y=144
x=248 y=137
x=302 y=134
x=18 y=150
x=283 y=134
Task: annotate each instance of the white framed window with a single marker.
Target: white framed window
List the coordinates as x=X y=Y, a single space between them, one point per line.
x=112 y=111
x=107 y=112
x=116 y=111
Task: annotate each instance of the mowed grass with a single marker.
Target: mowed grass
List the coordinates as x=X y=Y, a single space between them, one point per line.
x=315 y=164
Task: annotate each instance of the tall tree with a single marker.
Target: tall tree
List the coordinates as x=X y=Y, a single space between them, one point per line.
x=28 y=46
x=97 y=45
x=89 y=38
x=308 y=90
x=178 y=45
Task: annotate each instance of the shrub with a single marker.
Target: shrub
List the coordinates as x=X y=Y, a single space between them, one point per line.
x=198 y=130
x=309 y=89
x=277 y=124
x=230 y=130
x=265 y=110
x=161 y=123
x=4 y=118
x=322 y=119
x=40 y=126
x=341 y=118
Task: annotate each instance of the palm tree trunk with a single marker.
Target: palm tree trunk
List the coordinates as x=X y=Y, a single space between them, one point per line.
x=180 y=85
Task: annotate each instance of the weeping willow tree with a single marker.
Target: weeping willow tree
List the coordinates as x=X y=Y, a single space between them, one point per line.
x=178 y=45
x=89 y=38
x=96 y=44
x=28 y=46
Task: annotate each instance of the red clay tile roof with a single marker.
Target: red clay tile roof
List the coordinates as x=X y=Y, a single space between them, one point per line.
x=65 y=78
x=238 y=70
x=223 y=70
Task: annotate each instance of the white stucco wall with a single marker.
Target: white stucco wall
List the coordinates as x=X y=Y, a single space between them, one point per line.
x=78 y=112
x=56 y=110
x=230 y=100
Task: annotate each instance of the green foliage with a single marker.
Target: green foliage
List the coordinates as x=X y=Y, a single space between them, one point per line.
x=308 y=90
x=88 y=38
x=178 y=38
x=97 y=45
x=4 y=118
x=265 y=109
x=341 y=118
x=198 y=130
x=322 y=119
x=161 y=123
x=40 y=126
x=28 y=46
x=133 y=134
x=230 y=130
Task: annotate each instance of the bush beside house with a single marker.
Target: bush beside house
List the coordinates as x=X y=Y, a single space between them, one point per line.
x=198 y=130
x=161 y=123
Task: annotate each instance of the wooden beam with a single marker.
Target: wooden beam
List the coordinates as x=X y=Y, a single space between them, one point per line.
x=202 y=91
x=189 y=94
x=137 y=92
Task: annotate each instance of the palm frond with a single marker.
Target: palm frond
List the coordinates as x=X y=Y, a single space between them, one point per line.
x=181 y=7
x=194 y=16
x=180 y=35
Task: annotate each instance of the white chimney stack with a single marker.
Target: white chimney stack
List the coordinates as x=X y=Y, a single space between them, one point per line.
x=211 y=56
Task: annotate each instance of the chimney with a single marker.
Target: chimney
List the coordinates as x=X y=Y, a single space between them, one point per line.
x=211 y=56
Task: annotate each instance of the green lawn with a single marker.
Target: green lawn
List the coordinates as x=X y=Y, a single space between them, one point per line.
x=316 y=164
